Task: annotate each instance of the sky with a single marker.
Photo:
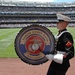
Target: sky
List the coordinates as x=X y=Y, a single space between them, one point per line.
x=43 y=0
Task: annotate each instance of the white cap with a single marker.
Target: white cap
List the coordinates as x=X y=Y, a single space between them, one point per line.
x=61 y=17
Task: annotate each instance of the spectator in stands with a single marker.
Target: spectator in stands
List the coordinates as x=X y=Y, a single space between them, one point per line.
x=64 y=48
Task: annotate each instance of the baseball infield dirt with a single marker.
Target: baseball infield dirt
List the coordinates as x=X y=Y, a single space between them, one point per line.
x=14 y=66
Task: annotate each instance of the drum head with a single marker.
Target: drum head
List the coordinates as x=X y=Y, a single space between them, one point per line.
x=33 y=42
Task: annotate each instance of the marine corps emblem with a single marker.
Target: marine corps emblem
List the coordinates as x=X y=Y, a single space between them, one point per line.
x=33 y=42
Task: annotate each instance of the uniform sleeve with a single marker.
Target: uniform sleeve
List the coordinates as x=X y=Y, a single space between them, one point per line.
x=68 y=42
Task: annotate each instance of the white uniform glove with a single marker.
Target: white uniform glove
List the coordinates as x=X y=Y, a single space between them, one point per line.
x=57 y=58
x=50 y=56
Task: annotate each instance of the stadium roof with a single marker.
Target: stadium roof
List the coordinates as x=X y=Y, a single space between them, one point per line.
x=36 y=4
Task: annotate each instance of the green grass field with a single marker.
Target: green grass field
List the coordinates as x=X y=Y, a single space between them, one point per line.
x=7 y=37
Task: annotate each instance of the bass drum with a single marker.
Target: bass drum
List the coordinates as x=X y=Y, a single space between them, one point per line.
x=33 y=42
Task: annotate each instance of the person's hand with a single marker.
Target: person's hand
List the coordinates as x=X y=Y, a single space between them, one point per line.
x=50 y=56
x=57 y=57
x=64 y=56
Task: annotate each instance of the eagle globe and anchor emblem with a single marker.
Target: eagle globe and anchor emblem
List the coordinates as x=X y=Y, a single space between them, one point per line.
x=33 y=42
